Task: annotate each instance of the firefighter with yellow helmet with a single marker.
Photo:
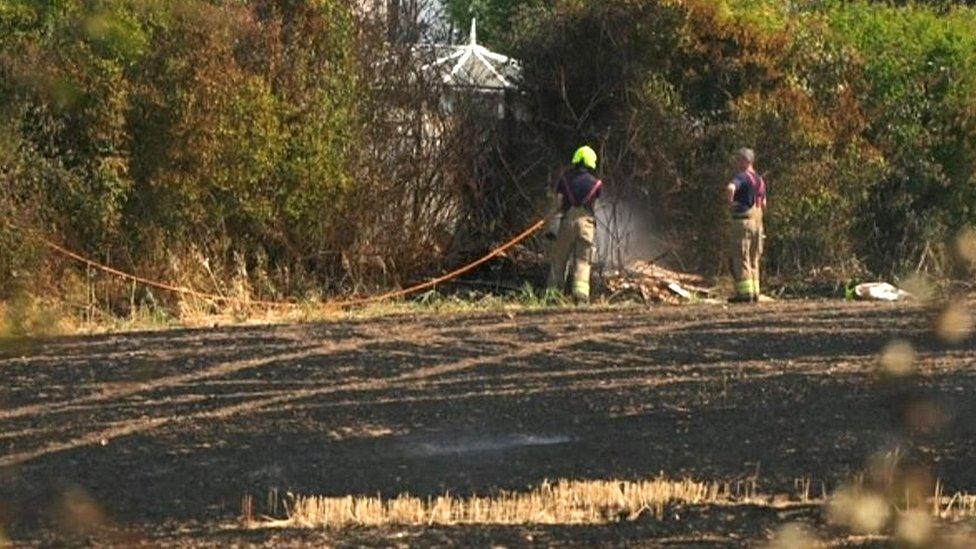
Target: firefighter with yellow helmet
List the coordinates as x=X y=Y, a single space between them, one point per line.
x=574 y=211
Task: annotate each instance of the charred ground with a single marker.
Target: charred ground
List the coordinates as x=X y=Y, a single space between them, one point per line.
x=163 y=433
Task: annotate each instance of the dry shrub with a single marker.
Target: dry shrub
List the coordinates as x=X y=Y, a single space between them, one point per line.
x=869 y=163
x=255 y=150
x=24 y=316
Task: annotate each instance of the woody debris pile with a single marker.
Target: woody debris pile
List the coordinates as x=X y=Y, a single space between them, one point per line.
x=651 y=283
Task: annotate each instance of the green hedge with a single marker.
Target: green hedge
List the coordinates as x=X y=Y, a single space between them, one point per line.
x=144 y=132
x=226 y=144
x=863 y=113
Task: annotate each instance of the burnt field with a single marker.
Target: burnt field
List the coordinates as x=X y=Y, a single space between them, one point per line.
x=155 y=438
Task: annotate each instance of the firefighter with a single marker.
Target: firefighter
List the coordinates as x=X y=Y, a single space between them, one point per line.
x=747 y=195
x=573 y=247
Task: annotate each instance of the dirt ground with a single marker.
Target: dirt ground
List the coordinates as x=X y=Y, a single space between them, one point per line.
x=159 y=435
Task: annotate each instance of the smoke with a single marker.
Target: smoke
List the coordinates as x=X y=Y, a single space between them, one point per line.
x=626 y=232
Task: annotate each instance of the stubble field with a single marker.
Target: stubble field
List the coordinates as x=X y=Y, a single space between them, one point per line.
x=156 y=438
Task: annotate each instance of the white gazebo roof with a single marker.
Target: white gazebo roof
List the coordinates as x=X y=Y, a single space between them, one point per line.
x=474 y=66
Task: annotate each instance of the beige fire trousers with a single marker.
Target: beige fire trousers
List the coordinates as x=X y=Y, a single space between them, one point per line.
x=746 y=249
x=572 y=253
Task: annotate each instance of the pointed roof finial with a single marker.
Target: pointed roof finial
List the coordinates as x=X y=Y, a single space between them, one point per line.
x=474 y=31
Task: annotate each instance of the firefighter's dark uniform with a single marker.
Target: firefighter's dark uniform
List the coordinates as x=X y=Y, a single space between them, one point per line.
x=573 y=249
x=746 y=239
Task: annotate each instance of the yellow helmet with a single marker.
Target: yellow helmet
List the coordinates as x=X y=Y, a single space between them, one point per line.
x=585 y=156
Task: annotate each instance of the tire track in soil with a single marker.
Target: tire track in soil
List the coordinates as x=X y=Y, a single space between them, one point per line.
x=478 y=327
x=131 y=389
x=631 y=373
x=222 y=369
x=128 y=389
x=148 y=424
x=538 y=388
x=588 y=379
x=411 y=333
x=429 y=333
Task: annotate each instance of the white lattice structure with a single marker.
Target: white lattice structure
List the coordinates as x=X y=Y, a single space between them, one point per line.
x=475 y=67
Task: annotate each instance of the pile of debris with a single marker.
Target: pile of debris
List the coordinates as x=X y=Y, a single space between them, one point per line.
x=651 y=283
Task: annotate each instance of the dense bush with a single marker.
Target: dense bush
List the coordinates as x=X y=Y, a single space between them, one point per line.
x=917 y=88
x=863 y=115
x=278 y=149
x=246 y=147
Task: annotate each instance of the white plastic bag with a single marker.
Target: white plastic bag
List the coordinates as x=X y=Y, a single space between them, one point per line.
x=880 y=291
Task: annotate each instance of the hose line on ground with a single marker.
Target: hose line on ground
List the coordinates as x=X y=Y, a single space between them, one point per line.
x=342 y=304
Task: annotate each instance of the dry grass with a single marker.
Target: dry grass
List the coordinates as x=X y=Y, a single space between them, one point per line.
x=64 y=318
x=956 y=507
x=564 y=502
x=600 y=502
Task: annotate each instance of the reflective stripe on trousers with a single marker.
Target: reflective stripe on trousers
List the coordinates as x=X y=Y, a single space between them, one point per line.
x=572 y=253
x=746 y=249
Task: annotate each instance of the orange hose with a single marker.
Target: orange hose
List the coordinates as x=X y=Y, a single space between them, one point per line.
x=357 y=302
x=152 y=283
x=447 y=277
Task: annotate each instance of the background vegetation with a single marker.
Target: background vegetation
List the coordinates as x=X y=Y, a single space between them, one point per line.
x=252 y=149
x=862 y=113
x=270 y=149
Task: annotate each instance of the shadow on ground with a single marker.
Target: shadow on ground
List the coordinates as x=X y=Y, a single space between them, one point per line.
x=165 y=432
